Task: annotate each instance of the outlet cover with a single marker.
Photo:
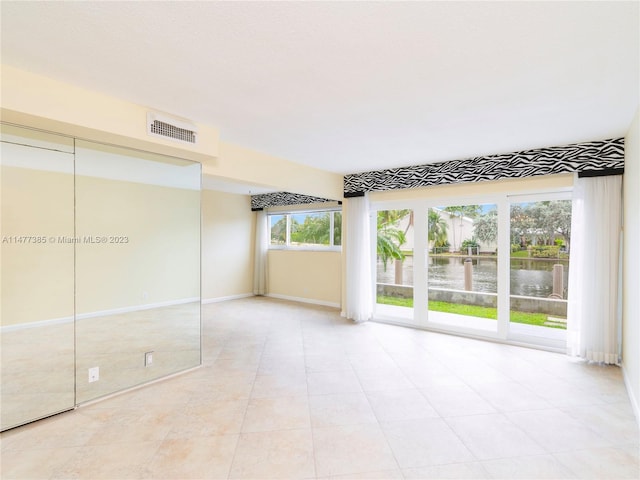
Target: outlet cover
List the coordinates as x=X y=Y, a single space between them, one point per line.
x=148 y=359
x=94 y=374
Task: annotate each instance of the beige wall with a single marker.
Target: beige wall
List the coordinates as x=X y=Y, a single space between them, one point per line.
x=236 y=162
x=48 y=104
x=37 y=278
x=160 y=261
x=35 y=101
x=312 y=276
x=631 y=272
x=228 y=232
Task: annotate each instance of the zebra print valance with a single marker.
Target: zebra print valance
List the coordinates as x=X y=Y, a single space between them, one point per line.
x=283 y=199
x=578 y=157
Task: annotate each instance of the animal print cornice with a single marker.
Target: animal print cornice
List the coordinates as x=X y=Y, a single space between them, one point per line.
x=577 y=157
x=282 y=199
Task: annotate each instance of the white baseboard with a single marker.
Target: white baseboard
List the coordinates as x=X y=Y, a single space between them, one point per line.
x=101 y=313
x=304 y=300
x=40 y=323
x=137 y=308
x=632 y=397
x=224 y=299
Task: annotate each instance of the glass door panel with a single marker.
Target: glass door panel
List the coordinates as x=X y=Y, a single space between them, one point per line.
x=137 y=268
x=37 y=340
x=539 y=269
x=395 y=264
x=463 y=267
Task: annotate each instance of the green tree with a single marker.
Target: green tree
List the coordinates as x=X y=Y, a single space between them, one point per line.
x=279 y=231
x=314 y=230
x=437 y=229
x=558 y=220
x=485 y=227
x=522 y=225
x=389 y=237
x=337 y=228
x=540 y=222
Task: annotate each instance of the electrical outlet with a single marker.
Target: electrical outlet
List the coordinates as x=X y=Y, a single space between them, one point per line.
x=94 y=374
x=148 y=359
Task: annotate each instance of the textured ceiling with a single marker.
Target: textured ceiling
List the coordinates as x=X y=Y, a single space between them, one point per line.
x=351 y=86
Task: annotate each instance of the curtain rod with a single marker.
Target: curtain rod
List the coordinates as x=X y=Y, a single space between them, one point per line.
x=601 y=173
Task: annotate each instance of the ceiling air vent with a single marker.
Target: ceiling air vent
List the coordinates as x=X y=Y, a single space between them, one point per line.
x=159 y=125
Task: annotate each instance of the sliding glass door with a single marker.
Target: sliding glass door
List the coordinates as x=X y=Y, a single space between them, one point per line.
x=540 y=236
x=463 y=267
x=493 y=266
x=396 y=265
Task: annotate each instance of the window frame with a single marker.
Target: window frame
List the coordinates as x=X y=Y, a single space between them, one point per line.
x=503 y=200
x=331 y=247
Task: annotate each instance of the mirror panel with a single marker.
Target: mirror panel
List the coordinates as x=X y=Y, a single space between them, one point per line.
x=37 y=255
x=137 y=267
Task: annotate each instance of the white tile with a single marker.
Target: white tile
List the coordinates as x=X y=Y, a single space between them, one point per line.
x=614 y=463
x=493 y=436
x=281 y=364
x=420 y=443
x=276 y=413
x=457 y=400
x=322 y=383
x=279 y=386
x=35 y=463
x=352 y=449
x=380 y=379
x=398 y=405
x=340 y=409
x=116 y=460
x=275 y=454
x=371 y=360
x=615 y=421
x=326 y=363
x=262 y=395
x=556 y=431
x=511 y=397
x=193 y=458
x=537 y=467
x=384 y=475
x=453 y=471
x=220 y=417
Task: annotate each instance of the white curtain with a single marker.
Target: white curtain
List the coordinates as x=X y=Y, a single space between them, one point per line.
x=262 y=246
x=359 y=299
x=592 y=324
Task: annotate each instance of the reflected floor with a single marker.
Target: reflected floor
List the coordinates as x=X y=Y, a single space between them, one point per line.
x=295 y=391
x=39 y=375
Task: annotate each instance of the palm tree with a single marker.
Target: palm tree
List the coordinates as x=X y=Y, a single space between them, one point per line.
x=437 y=229
x=390 y=238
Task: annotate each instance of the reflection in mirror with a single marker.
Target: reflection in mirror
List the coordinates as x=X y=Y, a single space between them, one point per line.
x=37 y=336
x=137 y=268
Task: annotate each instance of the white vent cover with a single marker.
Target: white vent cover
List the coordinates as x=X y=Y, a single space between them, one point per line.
x=164 y=126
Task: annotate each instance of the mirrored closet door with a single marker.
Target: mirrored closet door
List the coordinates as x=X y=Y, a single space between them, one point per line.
x=137 y=268
x=37 y=280
x=100 y=271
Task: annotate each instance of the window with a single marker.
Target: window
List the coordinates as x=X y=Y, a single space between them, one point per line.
x=313 y=229
x=493 y=265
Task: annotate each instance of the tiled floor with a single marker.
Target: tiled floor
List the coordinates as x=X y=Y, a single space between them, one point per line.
x=294 y=391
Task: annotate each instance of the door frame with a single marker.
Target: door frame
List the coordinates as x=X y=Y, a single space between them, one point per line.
x=420 y=316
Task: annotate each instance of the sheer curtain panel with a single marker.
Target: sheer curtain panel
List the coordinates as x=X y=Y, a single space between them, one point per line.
x=593 y=327
x=359 y=299
x=262 y=246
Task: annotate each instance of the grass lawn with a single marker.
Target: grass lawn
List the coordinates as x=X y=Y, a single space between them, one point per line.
x=471 y=310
